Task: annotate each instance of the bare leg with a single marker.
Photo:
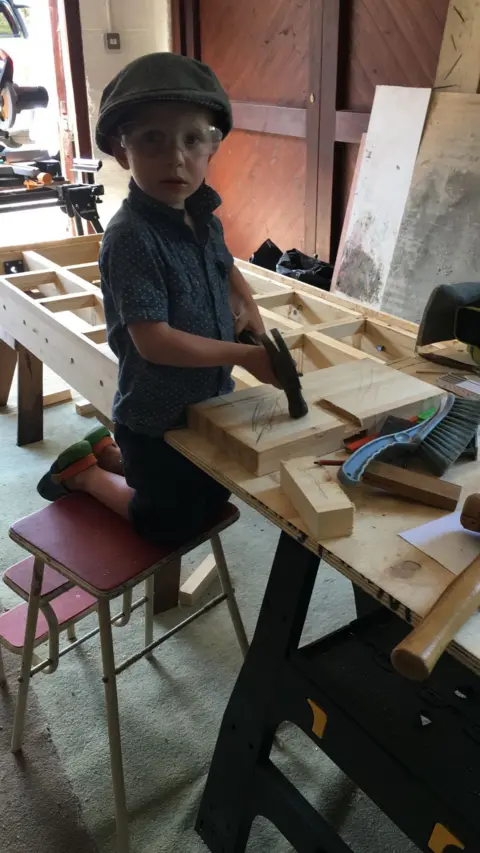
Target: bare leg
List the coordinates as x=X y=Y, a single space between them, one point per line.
x=110 y=489
x=110 y=459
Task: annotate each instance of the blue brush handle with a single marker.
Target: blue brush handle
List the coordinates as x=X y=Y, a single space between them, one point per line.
x=353 y=469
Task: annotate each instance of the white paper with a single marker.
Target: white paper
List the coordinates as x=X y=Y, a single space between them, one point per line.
x=446 y=541
x=470 y=385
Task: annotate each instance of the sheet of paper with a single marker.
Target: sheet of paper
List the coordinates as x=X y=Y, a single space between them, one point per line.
x=446 y=541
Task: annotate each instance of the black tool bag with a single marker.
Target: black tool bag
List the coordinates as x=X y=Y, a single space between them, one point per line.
x=267 y=256
x=295 y=264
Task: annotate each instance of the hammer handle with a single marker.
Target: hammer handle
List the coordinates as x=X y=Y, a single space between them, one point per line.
x=416 y=656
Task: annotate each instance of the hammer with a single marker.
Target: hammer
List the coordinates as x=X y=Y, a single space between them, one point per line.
x=416 y=656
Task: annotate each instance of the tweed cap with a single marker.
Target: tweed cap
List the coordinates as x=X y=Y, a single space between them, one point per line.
x=161 y=77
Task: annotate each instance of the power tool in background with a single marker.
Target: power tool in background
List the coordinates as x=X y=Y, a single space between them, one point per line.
x=15 y=99
x=453 y=311
x=39 y=183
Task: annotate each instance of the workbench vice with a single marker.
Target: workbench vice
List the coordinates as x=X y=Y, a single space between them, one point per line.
x=407 y=752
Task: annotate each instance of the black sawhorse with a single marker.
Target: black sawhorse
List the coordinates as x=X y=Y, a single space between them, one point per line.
x=414 y=749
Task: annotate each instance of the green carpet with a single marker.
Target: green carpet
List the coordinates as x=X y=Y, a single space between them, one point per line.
x=171 y=708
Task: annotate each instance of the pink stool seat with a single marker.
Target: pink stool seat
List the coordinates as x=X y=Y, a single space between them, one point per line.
x=96 y=548
x=69 y=607
x=19 y=579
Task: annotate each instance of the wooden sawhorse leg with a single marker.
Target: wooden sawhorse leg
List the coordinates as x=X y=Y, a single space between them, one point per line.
x=230 y=801
x=8 y=363
x=30 y=398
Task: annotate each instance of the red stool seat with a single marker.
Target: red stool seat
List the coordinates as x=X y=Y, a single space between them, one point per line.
x=95 y=547
x=69 y=607
x=19 y=579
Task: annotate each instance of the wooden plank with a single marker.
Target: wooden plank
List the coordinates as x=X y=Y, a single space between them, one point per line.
x=254 y=425
x=69 y=302
x=253 y=274
x=97 y=334
x=414 y=486
x=321 y=126
x=8 y=363
x=292 y=121
x=459 y=64
x=90 y=272
x=87 y=367
x=320 y=502
x=348 y=213
x=351 y=126
x=304 y=309
x=201 y=578
x=268 y=118
x=391 y=148
x=30 y=397
x=377 y=339
x=438 y=238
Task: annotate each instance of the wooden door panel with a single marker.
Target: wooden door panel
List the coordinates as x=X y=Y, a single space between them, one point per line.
x=259 y=50
x=261 y=179
x=391 y=43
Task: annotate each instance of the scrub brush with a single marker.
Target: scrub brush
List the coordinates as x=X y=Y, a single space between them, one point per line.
x=440 y=440
x=451 y=437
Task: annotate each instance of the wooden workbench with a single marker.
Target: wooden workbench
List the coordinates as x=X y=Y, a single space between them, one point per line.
x=52 y=313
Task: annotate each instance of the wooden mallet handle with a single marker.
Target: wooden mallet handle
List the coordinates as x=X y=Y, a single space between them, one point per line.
x=416 y=656
x=470 y=517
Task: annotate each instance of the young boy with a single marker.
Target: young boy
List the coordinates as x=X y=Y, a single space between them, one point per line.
x=170 y=290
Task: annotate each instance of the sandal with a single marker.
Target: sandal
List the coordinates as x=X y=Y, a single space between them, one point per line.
x=74 y=460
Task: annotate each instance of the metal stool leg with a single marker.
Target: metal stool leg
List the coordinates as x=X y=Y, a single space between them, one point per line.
x=28 y=646
x=111 y=699
x=149 y=610
x=71 y=633
x=3 y=680
x=227 y=588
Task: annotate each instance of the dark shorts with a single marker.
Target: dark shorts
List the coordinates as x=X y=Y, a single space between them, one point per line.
x=174 y=500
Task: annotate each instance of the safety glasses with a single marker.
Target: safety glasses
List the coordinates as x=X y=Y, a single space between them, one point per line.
x=150 y=140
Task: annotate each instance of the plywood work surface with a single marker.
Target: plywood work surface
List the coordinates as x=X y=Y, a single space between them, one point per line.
x=254 y=425
x=374 y=557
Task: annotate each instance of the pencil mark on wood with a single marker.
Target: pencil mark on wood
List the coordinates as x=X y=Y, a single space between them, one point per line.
x=452 y=69
x=459 y=14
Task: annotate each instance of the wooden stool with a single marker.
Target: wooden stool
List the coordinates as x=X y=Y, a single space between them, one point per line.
x=80 y=547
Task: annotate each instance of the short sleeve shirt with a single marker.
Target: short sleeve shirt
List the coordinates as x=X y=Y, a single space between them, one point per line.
x=154 y=267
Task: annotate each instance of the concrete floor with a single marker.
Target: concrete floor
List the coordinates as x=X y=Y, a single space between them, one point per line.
x=171 y=709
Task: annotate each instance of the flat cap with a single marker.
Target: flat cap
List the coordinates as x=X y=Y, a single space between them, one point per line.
x=161 y=77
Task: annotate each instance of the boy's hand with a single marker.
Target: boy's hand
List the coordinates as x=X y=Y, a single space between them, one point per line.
x=257 y=362
x=249 y=318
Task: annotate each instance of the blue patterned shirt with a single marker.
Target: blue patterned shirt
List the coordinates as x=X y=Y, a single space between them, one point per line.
x=153 y=267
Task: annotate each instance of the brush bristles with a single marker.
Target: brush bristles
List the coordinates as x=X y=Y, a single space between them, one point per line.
x=451 y=437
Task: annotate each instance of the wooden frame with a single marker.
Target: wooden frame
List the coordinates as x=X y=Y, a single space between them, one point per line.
x=52 y=314
x=54 y=311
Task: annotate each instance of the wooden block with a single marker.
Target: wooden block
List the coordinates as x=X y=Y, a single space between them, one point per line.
x=52 y=398
x=255 y=428
x=416 y=487
x=321 y=503
x=84 y=408
x=459 y=63
x=391 y=148
x=200 y=579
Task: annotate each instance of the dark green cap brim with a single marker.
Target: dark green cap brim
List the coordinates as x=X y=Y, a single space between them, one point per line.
x=161 y=77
